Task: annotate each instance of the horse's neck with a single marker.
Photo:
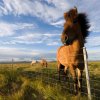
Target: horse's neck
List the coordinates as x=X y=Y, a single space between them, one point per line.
x=77 y=45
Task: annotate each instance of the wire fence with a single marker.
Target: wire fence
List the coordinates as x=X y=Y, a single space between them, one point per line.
x=50 y=75
x=90 y=80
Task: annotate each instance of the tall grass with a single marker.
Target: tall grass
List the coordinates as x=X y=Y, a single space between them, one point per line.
x=24 y=82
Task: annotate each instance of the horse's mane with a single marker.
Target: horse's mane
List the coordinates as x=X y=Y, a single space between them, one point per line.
x=84 y=23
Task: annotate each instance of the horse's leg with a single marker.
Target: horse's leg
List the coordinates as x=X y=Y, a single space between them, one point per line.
x=65 y=72
x=80 y=79
x=46 y=65
x=67 y=76
x=73 y=73
x=42 y=65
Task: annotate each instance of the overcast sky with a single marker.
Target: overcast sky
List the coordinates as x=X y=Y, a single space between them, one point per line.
x=31 y=29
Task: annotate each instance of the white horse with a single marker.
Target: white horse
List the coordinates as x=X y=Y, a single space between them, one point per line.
x=33 y=62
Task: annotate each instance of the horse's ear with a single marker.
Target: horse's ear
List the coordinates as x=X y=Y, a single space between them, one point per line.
x=65 y=16
x=75 y=9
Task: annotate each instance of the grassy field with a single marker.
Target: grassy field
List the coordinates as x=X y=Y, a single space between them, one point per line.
x=25 y=82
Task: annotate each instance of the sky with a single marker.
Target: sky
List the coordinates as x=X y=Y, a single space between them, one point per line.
x=31 y=29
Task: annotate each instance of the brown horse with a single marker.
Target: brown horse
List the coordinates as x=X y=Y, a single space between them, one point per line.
x=44 y=63
x=70 y=56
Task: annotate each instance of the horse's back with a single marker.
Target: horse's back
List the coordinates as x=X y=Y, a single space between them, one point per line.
x=43 y=61
x=33 y=62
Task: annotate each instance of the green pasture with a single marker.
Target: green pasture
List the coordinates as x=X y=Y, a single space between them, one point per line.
x=25 y=82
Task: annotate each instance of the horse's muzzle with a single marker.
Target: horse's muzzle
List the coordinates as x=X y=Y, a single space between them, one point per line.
x=65 y=39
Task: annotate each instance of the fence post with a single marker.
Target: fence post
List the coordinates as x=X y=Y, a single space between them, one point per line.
x=12 y=62
x=87 y=73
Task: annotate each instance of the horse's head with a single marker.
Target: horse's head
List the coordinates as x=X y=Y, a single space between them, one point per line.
x=70 y=26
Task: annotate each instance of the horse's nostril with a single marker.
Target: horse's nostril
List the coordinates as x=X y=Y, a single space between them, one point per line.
x=66 y=38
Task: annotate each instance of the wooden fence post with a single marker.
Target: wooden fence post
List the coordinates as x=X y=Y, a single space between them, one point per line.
x=87 y=73
x=12 y=62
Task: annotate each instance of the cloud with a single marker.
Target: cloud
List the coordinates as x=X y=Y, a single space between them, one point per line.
x=16 y=52
x=93 y=53
x=59 y=23
x=93 y=46
x=6 y=29
x=53 y=43
x=63 y=5
x=20 y=54
x=8 y=53
x=93 y=41
x=9 y=29
x=36 y=8
x=51 y=11
x=93 y=12
x=33 y=38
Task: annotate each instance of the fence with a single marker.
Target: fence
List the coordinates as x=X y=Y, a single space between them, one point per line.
x=90 y=82
x=49 y=75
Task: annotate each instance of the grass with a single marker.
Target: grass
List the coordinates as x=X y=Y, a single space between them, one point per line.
x=25 y=82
